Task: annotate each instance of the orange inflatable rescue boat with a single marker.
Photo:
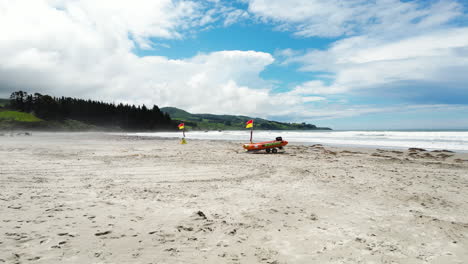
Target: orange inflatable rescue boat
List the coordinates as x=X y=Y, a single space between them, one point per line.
x=268 y=146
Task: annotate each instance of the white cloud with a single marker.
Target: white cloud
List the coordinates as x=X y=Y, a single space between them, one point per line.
x=234 y=16
x=345 y=111
x=368 y=62
x=336 y=17
x=308 y=99
x=316 y=87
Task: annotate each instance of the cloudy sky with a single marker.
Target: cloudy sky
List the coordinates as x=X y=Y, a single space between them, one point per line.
x=380 y=64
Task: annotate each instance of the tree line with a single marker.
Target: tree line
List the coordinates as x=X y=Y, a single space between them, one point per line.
x=128 y=117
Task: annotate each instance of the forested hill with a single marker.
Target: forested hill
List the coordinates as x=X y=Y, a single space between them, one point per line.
x=231 y=122
x=89 y=112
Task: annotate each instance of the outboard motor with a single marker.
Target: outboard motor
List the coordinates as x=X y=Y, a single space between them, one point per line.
x=279 y=139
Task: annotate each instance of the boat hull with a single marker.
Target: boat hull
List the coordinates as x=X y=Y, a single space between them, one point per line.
x=265 y=145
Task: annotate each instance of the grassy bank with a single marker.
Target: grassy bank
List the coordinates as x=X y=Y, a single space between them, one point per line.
x=18 y=116
x=14 y=120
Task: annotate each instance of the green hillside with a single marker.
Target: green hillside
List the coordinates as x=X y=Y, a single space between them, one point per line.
x=14 y=120
x=231 y=122
x=179 y=113
x=18 y=116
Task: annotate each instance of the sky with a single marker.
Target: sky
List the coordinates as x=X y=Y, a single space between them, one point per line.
x=354 y=64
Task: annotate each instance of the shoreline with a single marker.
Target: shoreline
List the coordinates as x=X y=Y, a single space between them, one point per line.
x=368 y=148
x=307 y=144
x=454 y=141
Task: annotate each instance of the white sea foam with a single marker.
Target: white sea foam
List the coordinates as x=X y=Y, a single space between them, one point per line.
x=450 y=140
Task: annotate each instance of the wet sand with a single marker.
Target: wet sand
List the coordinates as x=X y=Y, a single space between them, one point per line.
x=100 y=198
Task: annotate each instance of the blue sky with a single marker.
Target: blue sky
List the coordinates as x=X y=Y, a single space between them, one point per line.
x=354 y=64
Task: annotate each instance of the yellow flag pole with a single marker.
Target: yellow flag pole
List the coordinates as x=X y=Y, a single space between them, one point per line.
x=183 y=141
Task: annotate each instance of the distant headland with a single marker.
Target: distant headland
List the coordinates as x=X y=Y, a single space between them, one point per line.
x=231 y=122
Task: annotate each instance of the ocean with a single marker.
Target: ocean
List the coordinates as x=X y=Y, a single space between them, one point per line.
x=431 y=140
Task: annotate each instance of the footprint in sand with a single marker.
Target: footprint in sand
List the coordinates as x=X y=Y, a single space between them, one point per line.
x=103 y=233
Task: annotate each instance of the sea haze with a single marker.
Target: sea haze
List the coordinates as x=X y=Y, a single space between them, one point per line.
x=449 y=140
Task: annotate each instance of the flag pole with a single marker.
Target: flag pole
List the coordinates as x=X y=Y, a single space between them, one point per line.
x=182 y=127
x=249 y=124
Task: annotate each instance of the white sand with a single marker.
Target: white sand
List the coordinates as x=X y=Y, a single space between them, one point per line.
x=97 y=198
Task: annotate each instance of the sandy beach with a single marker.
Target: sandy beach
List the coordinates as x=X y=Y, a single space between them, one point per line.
x=101 y=198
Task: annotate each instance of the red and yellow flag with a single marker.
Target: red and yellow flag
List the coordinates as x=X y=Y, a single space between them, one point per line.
x=181 y=126
x=249 y=124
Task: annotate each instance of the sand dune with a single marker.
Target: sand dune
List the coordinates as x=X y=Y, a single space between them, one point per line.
x=99 y=198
